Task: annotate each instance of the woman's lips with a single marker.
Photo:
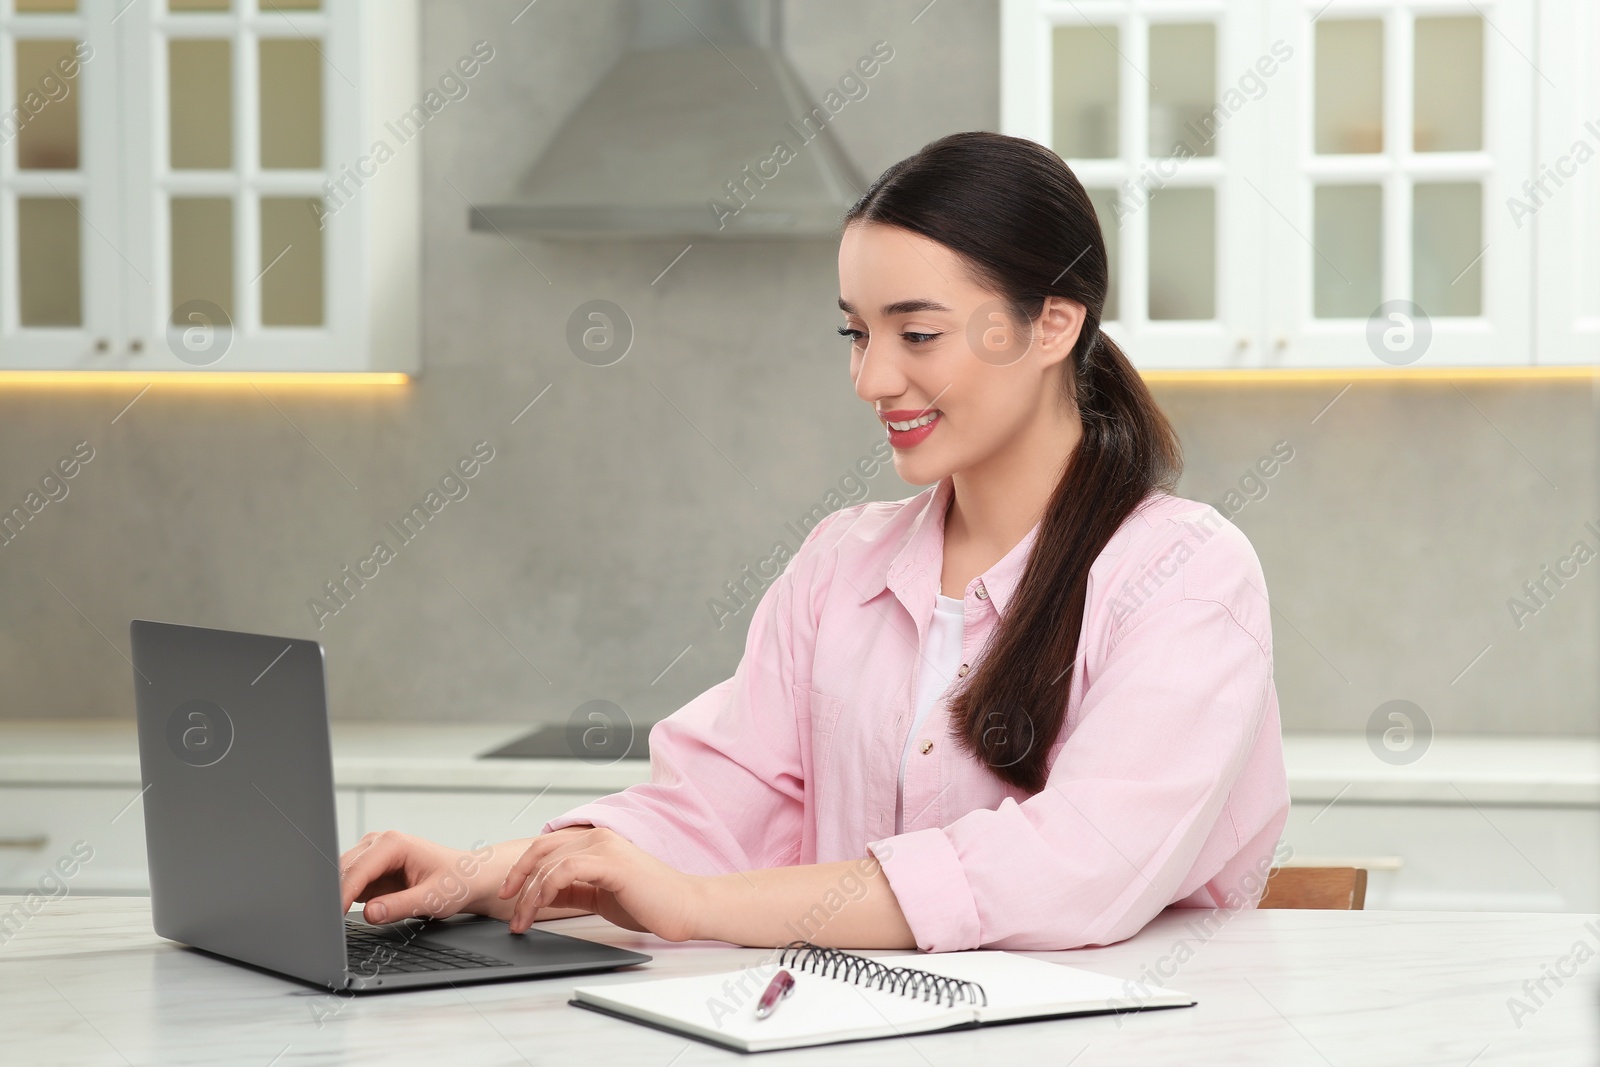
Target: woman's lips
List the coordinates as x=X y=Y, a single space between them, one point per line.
x=910 y=438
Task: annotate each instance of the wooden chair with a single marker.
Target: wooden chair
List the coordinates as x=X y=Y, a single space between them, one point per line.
x=1337 y=888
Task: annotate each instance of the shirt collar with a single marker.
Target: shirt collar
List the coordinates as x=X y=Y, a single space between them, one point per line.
x=922 y=554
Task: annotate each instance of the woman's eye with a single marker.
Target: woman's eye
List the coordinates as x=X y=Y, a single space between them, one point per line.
x=854 y=335
x=920 y=338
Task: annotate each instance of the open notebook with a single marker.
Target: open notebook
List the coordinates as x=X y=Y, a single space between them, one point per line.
x=839 y=996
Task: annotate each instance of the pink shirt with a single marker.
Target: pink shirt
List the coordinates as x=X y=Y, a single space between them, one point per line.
x=1166 y=785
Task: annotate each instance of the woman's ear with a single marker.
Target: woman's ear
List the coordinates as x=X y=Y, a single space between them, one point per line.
x=1060 y=321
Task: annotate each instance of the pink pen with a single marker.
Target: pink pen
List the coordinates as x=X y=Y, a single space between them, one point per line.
x=782 y=985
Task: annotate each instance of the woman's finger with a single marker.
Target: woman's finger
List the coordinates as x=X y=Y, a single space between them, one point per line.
x=532 y=856
x=528 y=905
x=517 y=874
x=348 y=856
x=576 y=894
x=533 y=895
x=552 y=877
x=537 y=861
x=365 y=864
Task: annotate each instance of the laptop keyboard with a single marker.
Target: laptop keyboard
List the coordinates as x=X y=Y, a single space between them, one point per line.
x=369 y=951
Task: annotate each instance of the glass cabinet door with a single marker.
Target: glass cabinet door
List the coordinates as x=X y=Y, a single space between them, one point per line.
x=1145 y=105
x=60 y=252
x=1389 y=184
x=214 y=185
x=232 y=170
x=1560 y=201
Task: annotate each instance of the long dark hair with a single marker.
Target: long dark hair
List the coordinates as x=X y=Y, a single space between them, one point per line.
x=1022 y=221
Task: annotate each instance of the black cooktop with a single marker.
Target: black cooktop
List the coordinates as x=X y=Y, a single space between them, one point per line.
x=557 y=741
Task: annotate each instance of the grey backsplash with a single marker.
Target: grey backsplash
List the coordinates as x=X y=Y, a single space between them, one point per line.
x=584 y=558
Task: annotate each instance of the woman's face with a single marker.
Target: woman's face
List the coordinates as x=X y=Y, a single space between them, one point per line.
x=931 y=346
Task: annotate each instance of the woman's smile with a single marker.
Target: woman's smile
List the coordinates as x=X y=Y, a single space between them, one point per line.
x=910 y=426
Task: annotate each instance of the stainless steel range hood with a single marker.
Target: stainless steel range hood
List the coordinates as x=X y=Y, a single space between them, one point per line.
x=681 y=139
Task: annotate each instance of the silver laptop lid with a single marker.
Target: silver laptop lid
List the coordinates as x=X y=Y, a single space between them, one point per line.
x=238 y=804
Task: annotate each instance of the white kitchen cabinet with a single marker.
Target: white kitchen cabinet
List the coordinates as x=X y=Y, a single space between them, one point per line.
x=1334 y=187
x=1402 y=129
x=40 y=825
x=1457 y=857
x=60 y=285
x=1563 y=188
x=190 y=189
x=1125 y=92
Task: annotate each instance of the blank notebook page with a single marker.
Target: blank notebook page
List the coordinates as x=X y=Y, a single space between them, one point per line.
x=819 y=1007
x=823 y=1008
x=1024 y=986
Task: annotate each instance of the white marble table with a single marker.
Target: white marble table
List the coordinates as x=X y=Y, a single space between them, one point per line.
x=86 y=981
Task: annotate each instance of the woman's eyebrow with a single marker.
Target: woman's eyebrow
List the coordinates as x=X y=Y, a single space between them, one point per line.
x=899 y=307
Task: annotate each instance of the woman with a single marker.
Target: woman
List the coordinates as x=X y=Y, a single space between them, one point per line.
x=1027 y=708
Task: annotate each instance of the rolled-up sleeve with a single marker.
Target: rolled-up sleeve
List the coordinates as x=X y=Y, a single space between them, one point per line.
x=727 y=780
x=1135 y=792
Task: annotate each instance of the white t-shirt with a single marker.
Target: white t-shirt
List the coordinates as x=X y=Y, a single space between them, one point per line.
x=941 y=660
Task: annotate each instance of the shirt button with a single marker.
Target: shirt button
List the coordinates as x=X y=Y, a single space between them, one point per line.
x=983 y=594
x=962 y=673
x=927 y=747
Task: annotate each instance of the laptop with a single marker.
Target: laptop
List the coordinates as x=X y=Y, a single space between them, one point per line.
x=237 y=770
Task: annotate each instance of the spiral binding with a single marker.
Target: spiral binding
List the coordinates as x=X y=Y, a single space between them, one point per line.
x=805 y=956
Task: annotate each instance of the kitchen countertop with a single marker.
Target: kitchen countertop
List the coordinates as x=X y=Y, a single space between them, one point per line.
x=87 y=981
x=394 y=755
x=366 y=755
x=1483 y=768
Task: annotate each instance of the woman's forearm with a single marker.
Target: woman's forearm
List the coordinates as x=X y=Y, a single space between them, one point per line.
x=848 y=904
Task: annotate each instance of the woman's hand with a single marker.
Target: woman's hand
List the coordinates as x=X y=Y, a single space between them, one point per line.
x=400 y=876
x=601 y=871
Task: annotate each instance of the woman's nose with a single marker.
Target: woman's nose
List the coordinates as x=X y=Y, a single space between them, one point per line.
x=877 y=376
